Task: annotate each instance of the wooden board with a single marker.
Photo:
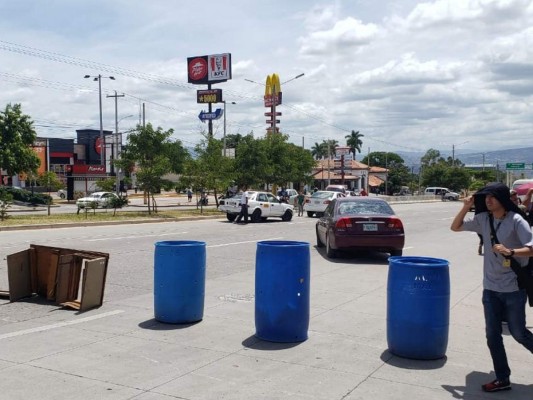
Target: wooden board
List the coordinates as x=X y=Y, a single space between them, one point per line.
x=65 y=281
x=93 y=285
x=19 y=275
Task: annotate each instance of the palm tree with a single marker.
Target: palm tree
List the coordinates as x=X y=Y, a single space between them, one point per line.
x=354 y=141
x=318 y=151
x=329 y=147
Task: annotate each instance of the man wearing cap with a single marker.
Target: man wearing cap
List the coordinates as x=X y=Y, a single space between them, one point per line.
x=502 y=298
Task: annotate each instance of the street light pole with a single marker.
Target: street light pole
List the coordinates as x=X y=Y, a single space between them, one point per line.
x=118 y=145
x=453 y=151
x=224 y=101
x=102 y=144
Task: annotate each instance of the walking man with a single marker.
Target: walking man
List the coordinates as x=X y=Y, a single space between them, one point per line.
x=244 y=208
x=509 y=236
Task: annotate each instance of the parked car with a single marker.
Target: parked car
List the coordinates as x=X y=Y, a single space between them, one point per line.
x=261 y=205
x=336 y=188
x=445 y=193
x=102 y=200
x=360 y=223
x=317 y=203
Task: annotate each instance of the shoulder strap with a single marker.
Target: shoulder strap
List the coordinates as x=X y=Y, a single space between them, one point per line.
x=493 y=237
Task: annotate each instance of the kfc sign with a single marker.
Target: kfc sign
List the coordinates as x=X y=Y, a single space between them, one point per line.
x=203 y=70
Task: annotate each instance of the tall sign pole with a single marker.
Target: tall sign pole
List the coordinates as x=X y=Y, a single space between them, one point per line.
x=208 y=70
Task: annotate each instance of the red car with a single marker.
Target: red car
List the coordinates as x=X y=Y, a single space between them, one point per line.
x=360 y=223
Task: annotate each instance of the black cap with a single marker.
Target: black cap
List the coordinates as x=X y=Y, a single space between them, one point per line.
x=501 y=192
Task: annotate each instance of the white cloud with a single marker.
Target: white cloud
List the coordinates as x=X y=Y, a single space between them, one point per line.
x=345 y=35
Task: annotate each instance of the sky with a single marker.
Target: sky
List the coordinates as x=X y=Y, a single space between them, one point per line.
x=408 y=75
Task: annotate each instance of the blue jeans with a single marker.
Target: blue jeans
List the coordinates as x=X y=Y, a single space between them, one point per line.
x=512 y=308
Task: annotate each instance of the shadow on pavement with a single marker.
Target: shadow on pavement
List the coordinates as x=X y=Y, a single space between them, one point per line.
x=155 y=325
x=472 y=388
x=253 y=342
x=406 y=363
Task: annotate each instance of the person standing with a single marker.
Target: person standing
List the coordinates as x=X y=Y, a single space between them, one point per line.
x=299 y=203
x=189 y=195
x=244 y=208
x=505 y=234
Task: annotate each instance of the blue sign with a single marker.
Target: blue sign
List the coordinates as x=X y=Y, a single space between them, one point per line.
x=206 y=116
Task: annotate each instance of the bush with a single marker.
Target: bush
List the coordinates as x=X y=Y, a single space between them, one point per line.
x=26 y=196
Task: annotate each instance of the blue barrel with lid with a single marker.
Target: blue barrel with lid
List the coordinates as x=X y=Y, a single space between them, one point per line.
x=282 y=274
x=418 y=307
x=179 y=281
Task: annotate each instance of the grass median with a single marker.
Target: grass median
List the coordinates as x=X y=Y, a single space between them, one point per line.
x=15 y=219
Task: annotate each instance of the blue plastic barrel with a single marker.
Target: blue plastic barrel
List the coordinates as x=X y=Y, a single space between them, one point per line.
x=418 y=307
x=179 y=281
x=282 y=273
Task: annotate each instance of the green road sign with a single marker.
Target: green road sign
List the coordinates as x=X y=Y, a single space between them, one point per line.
x=516 y=165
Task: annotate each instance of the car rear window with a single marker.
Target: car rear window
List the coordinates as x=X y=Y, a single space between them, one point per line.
x=321 y=195
x=365 y=207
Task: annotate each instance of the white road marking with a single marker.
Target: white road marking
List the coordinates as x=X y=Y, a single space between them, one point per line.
x=135 y=236
x=247 y=241
x=58 y=325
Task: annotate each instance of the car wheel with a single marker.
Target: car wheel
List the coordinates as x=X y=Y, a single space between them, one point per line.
x=310 y=213
x=256 y=216
x=396 y=253
x=318 y=241
x=263 y=219
x=231 y=217
x=62 y=196
x=287 y=216
x=329 y=251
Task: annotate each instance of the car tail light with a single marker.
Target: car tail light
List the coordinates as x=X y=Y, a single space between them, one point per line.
x=308 y=200
x=327 y=202
x=395 y=223
x=343 y=223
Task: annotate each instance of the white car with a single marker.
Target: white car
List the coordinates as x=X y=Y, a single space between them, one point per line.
x=101 y=199
x=62 y=193
x=319 y=201
x=261 y=205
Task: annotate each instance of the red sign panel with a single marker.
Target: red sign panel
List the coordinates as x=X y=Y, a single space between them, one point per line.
x=80 y=169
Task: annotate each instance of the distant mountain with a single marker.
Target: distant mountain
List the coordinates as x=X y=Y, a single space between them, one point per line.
x=469 y=157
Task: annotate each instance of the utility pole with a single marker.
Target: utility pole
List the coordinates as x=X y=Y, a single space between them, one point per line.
x=114 y=148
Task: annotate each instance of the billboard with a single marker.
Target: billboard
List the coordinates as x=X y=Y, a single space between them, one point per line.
x=203 y=70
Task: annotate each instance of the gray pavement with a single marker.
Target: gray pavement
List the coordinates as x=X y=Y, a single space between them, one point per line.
x=119 y=351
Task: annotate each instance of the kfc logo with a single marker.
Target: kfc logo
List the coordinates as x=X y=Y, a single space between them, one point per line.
x=197 y=69
x=219 y=67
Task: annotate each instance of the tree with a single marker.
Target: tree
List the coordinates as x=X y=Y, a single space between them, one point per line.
x=251 y=162
x=155 y=155
x=438 y=171
x=210 y=170
x=354 y=141
x=398 y=173
x=318 y=151
x=50 y=181
x=16 y=138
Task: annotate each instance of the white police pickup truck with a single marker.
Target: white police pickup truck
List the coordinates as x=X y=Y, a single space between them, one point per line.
x=261 y=205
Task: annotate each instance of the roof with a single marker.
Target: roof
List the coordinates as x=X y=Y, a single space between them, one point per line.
x=374 y=181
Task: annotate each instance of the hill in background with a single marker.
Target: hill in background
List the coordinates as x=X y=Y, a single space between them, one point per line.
x=470 y=157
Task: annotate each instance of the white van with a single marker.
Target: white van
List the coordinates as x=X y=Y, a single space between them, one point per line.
x=445 y=193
